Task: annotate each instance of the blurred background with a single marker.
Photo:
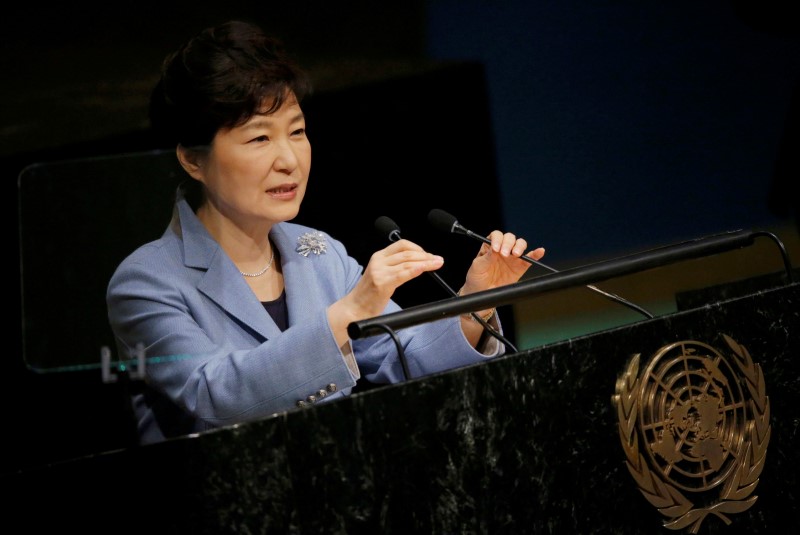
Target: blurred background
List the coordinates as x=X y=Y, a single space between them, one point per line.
x=594 y=129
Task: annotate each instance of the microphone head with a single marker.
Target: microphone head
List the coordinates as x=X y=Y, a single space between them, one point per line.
x=443 y=221
x=387 y=228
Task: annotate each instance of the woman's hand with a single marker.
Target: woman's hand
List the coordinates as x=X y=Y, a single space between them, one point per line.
x=387 y=269
x=499 y=264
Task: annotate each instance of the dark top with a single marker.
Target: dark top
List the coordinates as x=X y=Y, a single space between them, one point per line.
x=277 y=309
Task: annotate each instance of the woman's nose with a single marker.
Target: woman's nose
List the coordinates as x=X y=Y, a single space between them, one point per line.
x=286 y=157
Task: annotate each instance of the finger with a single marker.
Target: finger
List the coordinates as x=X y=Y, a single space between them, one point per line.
x=519 y=247
x=402 y=262
x=401 y=245
x=496 y=238
x=536 y=254
x=400 y=252
x=507 y=244
x=413 y=258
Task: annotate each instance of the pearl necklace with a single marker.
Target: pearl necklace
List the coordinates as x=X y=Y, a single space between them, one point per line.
x=258 y=274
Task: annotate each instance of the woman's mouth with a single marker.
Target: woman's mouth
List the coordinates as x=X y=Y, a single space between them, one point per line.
x=283 y=192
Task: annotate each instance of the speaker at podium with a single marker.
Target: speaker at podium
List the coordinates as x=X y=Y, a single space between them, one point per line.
x=680 y=423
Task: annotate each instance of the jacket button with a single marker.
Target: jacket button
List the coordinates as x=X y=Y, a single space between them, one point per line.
x=322 y=393
x=311 y=399
x=301 y=403
x=332 y=387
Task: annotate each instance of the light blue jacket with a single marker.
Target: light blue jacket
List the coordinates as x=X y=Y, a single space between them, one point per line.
x=214 y=356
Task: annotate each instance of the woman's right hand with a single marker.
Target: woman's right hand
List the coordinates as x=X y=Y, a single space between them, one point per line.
x=387 y=269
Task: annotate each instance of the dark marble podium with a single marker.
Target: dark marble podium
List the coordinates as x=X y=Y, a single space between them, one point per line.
x=527 y=443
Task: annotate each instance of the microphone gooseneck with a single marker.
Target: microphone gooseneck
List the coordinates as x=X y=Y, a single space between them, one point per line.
x=387 y=227
x=446 y=222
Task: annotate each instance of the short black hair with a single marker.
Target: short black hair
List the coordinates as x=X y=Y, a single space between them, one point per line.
x=220 y=79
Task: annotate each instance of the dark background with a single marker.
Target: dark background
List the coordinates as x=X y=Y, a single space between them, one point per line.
x=592 y=128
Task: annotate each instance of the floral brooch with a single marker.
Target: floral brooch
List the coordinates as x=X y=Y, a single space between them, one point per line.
x=311 y=242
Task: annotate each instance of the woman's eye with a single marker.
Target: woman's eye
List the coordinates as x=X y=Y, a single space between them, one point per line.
x=299 y=132
x=260 y=139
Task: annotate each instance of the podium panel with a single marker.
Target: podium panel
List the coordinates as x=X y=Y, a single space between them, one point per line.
x=527 y=443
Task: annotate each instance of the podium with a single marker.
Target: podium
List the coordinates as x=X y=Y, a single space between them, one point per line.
x=531 y=442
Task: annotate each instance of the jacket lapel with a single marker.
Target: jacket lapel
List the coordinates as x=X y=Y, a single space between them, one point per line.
x=300 y=272
x=222 y=282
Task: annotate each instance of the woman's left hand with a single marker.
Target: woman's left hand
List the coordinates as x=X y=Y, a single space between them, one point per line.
x=499 y=264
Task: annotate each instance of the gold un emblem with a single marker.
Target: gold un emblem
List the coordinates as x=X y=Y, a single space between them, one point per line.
x=694 y=426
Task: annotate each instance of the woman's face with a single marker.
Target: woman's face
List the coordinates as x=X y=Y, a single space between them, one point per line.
x=257 y=172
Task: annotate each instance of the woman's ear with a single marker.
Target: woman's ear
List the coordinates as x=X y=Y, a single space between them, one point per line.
x=192 y=162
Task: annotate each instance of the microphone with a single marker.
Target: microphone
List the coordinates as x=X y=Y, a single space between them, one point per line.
x=445 y=222
x=387 y=227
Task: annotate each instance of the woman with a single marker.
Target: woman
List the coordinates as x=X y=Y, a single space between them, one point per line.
x=241 y=313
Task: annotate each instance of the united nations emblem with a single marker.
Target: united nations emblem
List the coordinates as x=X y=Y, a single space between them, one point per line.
x=694 y=426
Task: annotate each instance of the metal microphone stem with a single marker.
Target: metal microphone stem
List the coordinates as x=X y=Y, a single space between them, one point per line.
x=459 y=229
